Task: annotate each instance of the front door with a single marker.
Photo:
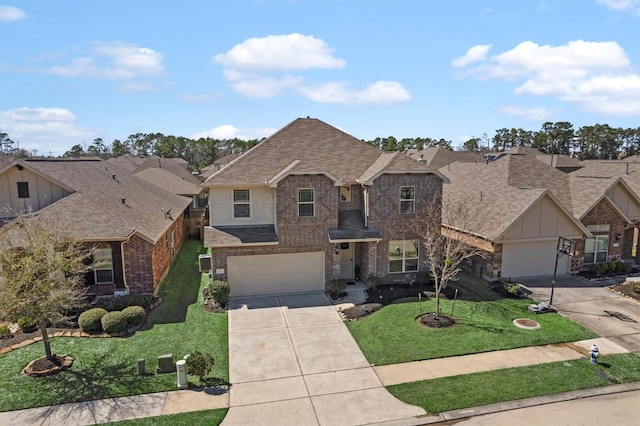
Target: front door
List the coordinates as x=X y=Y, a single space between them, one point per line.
x=346 y=261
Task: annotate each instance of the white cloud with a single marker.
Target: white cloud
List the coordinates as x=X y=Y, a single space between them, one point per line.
x=270 y=66
x=531 y=114
x=475 y=54
x=280 y=52
x=622 y=4
x=11 y=13
x=228 y=131
x=114 y=61
x=44 y=129
x=380 y=92
x=598 y=76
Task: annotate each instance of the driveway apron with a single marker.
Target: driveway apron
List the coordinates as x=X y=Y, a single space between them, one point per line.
x=592 y=306
x=292 y=361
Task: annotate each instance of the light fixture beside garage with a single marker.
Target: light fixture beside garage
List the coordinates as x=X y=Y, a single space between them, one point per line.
x=337 y=248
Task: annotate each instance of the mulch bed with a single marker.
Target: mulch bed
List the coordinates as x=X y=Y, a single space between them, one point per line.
x=20 y=336
x=626 y=290
x=383 y=295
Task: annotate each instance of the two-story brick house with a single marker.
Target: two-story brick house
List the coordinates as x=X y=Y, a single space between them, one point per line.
x=312 y=203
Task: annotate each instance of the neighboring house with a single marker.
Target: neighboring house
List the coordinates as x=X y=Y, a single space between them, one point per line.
x=563 y=163
x=533 y=204
x=310 y=204
x=438 y=157
x=219 y=163
x=136 y=226
x=171 y=174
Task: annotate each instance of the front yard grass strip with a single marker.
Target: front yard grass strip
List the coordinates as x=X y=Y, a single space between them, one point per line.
x=472 y=390
x=107 y=367
x=194 y=418
x=391 y=335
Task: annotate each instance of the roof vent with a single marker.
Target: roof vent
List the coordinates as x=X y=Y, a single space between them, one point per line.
x=124 y=200
x=113 y=176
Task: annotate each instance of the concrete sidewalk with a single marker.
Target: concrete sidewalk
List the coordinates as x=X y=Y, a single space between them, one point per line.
x=163 y=403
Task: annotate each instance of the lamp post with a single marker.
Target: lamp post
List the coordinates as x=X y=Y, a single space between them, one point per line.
x=565 y=246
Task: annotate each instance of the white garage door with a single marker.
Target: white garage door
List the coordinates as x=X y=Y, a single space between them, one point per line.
x=530 y=259
x=276 y=273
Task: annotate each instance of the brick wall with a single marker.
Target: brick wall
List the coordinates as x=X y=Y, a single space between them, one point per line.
x=603 y=213
x=138 y=265
x=384 y=213
x=163 y=253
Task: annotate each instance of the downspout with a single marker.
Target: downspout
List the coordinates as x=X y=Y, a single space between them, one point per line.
x=366 y=206
x=124 y=273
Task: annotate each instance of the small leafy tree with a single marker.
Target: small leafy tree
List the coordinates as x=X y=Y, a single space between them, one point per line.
x=200 y=364
x=41 y=271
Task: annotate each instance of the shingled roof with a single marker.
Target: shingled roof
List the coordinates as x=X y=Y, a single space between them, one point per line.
x=310 y=146
x=508 y=187
x=108 y=203
x=438 y=157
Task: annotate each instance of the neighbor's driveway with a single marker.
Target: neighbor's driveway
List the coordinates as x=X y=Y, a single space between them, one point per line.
x=292 y=361
x=585 y=303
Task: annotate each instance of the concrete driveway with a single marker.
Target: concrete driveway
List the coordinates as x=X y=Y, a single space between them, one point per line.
x=586 y=302
x=292 y=361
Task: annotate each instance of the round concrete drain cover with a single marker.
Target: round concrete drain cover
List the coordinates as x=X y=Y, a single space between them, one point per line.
x=526 y=323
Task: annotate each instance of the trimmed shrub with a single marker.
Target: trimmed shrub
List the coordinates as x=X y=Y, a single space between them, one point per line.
x=121 y=302
x=337 y=287
x=135 y=315
x=611 y=267
x=91 y=320
x=620 y=267
x=218 y=291
x=200 y=364
x=5 y=332
x=114 y=322
x=512 y=288
x=27 y=323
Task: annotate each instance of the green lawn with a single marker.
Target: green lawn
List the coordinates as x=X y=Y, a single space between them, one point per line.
x=391 y=335
x=195 y=418
x=472 y=390
x=107 y=367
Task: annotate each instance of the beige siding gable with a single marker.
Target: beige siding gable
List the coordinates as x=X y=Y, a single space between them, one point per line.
x=624 y=200
x=261 y=206
x=544 y=219
x=42 y=192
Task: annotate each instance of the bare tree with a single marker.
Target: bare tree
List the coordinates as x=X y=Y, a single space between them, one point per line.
x=447 y=240
x=41 y=271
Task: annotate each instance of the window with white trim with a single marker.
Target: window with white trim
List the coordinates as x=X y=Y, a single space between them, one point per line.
x=596 y=248
x=306 y=202
x=103 y=266
x=241 y=203
x=407 y=199
x=403 y=255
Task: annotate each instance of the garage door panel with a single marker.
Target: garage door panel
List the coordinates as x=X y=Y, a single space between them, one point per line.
x=530 y=259
x=275 y=273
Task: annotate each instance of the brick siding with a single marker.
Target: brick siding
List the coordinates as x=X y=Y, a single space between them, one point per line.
x=603 y=213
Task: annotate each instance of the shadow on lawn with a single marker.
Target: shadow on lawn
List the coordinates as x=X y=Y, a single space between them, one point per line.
x=181 y=286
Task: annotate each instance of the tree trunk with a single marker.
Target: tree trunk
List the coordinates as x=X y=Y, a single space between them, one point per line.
x=45 y=338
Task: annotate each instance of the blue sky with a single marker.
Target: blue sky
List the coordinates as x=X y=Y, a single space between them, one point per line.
x=72 y=71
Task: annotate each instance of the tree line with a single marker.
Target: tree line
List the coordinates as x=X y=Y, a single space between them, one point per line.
x=599 y=141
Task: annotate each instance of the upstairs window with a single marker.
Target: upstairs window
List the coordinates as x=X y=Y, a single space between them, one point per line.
x=306 y=202
x=23 y=189
x=241 y=203
x=407 y=199
x=103 y=266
